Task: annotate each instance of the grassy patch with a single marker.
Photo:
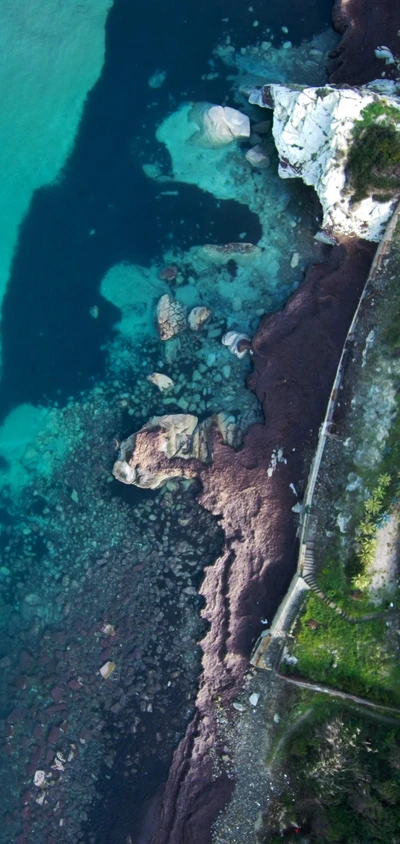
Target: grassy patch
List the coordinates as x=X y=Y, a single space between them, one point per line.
x=374 y=158
x=342 y=781
x=373 y=509
x=355 y=658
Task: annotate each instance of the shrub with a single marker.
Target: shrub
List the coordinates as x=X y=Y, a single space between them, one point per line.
x=374 y=158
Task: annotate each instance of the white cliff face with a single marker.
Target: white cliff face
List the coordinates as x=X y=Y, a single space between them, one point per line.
x=312 y=129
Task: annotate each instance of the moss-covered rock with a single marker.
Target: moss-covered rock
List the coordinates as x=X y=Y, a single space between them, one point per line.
x=373 y=164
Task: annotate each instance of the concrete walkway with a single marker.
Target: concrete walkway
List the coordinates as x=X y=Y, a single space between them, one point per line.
x=268 y=650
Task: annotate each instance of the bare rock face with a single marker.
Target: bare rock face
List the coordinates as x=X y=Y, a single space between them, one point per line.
x=313 y=132
x=171 y=317
x=242 y=253
x=217 y=125
x=145 y=457
x=171 y=446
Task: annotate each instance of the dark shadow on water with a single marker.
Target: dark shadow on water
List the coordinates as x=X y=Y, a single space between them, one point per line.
x=51 y=345
x=132 y=495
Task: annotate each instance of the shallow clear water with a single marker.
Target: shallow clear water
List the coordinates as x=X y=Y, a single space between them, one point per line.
x=78 y=550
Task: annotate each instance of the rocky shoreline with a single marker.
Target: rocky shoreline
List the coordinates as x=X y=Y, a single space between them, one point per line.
x=295 y=355
x=296 y=352
x=363 y=26
x=102 y=610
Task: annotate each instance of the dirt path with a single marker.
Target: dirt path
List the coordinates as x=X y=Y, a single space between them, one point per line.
x=327 y=690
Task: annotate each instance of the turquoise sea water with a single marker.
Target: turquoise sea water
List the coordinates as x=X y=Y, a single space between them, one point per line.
x=103 y=192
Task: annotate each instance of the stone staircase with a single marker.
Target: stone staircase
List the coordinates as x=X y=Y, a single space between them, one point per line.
x=308 y=575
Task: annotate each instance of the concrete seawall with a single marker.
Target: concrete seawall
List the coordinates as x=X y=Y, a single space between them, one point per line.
x=269 y=647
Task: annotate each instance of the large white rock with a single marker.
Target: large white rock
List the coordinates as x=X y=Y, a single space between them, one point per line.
x=217 y=125
x=312 y=129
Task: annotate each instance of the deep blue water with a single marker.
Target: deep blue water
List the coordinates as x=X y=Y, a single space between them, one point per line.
x=50 y=346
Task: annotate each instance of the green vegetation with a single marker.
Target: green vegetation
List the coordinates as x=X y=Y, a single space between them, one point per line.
x=355 y=658
x=374 y=159
x=373 y=509
x=342 y=781
x=360 y=658
x=322 y=93
x=392 y=332
x=341 y=762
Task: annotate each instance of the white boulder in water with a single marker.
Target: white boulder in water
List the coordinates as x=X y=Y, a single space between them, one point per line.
x=313 y=132
x=198 y=317
x=163 y=382
x=386 y=54
x=217 y=125
x=235 y=343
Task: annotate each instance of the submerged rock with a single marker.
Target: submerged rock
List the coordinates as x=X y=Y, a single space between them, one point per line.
x=171 y=317
x=263 y=127
x=294 y=261
x=257 y=157
x=386 y=54
x=39 y=779
x=242 y=253
x=157 y=79
x=198 y=317
x=313 y=129
x=218 y=125
x=107 y=669
x=168 y=273
x=163 y=382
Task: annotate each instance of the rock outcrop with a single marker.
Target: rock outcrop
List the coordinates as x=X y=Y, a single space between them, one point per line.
x=295 y=355
x=171 y=446
x=313 y=132
x=364 y=26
